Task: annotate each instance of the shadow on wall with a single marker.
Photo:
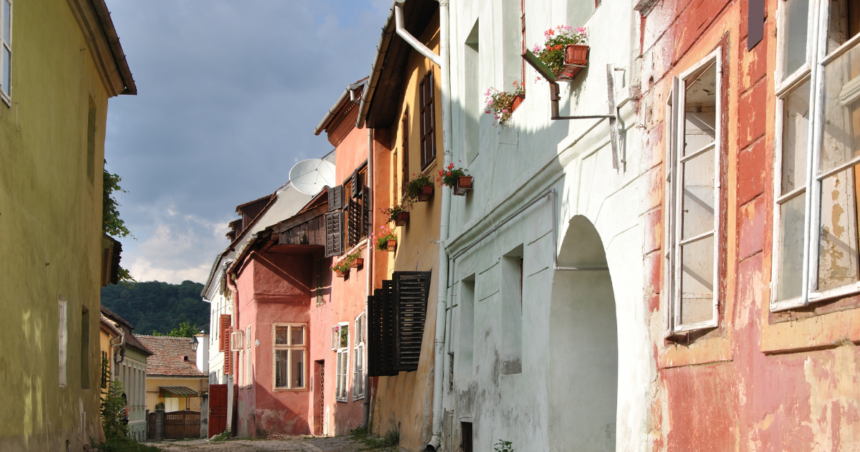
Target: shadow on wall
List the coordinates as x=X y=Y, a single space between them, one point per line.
x=583 y=380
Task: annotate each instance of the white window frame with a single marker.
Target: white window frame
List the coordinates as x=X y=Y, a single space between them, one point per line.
x=674 y=211
x=813 y=71
x=341 y=388
x=358 y=366
x=289 y=347
x=63 y=340
x=6 y=46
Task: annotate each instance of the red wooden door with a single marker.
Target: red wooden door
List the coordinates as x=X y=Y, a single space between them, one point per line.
x=217 y=409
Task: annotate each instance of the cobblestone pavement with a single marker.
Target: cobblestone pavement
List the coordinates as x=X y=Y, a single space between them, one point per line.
x=286 y=444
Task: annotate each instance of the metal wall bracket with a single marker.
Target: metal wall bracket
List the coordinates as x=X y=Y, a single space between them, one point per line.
x=554 y=97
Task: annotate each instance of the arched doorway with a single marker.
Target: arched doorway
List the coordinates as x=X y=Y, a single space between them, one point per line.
x=583 y=346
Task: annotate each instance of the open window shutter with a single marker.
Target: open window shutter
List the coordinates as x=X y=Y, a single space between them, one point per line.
x=389 y=326
x=228 y=363
x=354 y=227
x=224 y=331
x=365 y=202
x=335 y=198
x=355 y=188
x=334 y=233
x=669 y=209
x=410 y=290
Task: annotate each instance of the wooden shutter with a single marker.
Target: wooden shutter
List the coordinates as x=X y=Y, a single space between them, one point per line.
x=389 y=329
x=224 y=331
x=428 y=121
x=366 y=214
x=355 y=185
x=334 y=233
x=404 y=135
x=410 y=290
x=335 y=198
x=354 y=228
x=374 y=333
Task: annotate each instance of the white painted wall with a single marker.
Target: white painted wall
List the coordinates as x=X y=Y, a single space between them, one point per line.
x=607 y=360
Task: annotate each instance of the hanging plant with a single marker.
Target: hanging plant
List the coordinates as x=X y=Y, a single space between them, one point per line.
x=420 y=188
x=564 y=51
x=456 y=178
x=398 y=214
x=382 y=240
x=501 y=104
x=341 y=267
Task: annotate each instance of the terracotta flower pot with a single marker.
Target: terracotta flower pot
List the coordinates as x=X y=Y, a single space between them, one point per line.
x=341 y=274
x=425 y=193
x=464 y=184
x=575 y=58
x=402 y=219
x=392 y=244
x=517 y=101
x=357 y=262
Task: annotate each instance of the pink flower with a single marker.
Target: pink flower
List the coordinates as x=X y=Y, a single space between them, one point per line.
x=536 y=49
x=568 y=27
x=504 y=110
x=580 y=30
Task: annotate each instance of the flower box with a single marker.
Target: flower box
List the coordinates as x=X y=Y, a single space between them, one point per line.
x=341 y=274
x=464 y=184
x=425 y=193
x=391 y=245
x=402 y=219
x=575 y=58
x=517 y=101
x=357 y=262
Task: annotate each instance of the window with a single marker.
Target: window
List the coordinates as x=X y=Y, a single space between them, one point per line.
x=357 y=210
x=334 y=222
x=466 y=335
x=818 y=153
x=693 y=198
x=62 y=334
x=290 y=350
x=475 y=104
x=341 y=341
x=512 y=308
x=358 y=365
x=466 y=436
x=6 y=50
x=85 y=348
x=428 y=120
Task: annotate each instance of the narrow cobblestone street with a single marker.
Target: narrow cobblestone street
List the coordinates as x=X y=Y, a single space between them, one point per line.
x=286 y=444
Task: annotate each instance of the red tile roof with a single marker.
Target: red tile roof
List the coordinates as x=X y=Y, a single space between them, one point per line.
x=173 y=357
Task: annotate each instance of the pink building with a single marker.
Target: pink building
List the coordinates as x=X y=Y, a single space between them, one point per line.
x=298 y=340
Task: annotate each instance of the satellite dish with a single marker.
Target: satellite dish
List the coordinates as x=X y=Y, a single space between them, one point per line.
x=310 y=176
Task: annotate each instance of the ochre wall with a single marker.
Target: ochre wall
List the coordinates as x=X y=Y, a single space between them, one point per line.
x=405 y=402
x=200 y=385
x=760 y=381
x=50 y=232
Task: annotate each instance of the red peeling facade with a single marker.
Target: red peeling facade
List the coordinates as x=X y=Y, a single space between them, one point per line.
x=761 y=380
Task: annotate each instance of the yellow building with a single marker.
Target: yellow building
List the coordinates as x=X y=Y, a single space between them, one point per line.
x=172 y=375
x=60 y=62
x=403 y=107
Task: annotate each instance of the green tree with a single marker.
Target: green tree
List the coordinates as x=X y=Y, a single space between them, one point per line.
x=112 y=224
x=185 y=329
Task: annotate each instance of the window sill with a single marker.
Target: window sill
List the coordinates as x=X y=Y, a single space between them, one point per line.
x=355 y=399
x=290 y=390
x=812 y=333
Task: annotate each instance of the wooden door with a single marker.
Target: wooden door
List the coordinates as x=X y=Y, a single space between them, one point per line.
x=319 y=405
x=217 y=409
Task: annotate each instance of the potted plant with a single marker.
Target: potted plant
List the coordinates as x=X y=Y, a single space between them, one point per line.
x=397 y=214
x=385 y=240
x=501 y=104
x=355 y=259
x=456 y=178
x=341 y=267
x=564 y=51
x=420 y=188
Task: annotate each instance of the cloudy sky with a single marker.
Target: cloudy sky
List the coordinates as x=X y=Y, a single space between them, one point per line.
x=228 y=95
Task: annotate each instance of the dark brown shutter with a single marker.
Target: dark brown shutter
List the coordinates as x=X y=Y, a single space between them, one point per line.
x=410 y=291
x=224 y=331
x=355 y=187
x=404 y=126
x=333 y=233
x=335 y=198
x=428 y=121
x=389 y=329
x=365 y=223
x=354 y=222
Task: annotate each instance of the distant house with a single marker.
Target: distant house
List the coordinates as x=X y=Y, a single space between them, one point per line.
x=124 y=356
x=172 y=375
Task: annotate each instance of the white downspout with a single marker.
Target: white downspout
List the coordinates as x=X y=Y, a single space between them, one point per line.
x=442 y=290
x=412 y=41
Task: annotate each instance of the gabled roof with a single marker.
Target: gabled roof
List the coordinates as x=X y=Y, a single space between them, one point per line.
x=172 y=357
x=378 y=104
x=130 y=339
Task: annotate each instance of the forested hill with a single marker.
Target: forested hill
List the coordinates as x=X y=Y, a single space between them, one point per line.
x=157 y=306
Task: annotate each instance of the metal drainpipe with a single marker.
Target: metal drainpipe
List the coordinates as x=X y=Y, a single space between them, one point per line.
x=366 y=415
x=412 y=40
x=442 y=290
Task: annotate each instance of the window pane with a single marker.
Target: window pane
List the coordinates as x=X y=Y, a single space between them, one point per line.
x=281 y=369
x=281 y=335
x=359 y=331
x=697 y=281
x=297 y=335
x=790 y=278
x=837 y=244
x=7 y=71
x=344 y=336
x=700 y=101
x=7 y=18
x=796 y=19
x=297 y=368
x=795 y=130
x=698 y=203
x=841 y=138
x=844 y=22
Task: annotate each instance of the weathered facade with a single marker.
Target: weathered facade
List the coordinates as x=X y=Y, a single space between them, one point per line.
x=61 y=61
